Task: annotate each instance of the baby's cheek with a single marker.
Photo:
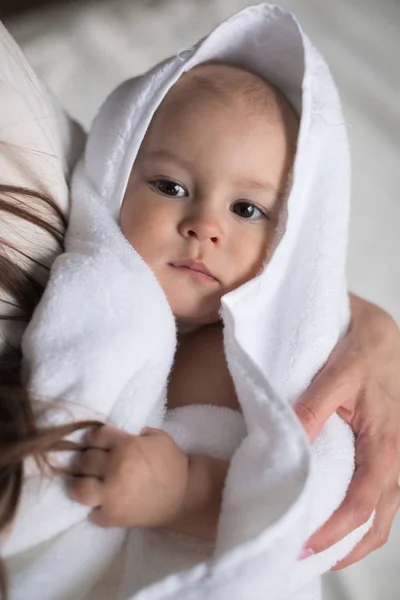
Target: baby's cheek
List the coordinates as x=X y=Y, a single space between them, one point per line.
x=250 y=258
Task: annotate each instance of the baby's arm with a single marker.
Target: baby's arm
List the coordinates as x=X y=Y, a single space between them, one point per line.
x=148 y=480
x=201 y=506
x=200 y=376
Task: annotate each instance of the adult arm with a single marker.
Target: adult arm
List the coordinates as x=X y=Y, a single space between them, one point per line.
x=361 y=382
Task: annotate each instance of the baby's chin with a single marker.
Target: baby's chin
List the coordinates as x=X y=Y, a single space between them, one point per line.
x=187 y=327
x=189 y=322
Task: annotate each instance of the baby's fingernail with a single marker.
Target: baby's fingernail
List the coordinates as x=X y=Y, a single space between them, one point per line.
x=306 y=553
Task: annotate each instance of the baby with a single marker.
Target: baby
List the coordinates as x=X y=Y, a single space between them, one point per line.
x=201 y=208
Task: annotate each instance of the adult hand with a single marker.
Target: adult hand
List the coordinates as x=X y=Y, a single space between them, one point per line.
x=361 y=382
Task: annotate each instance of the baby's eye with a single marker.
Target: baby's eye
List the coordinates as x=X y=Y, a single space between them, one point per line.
x=247 y=210
x=169 y=188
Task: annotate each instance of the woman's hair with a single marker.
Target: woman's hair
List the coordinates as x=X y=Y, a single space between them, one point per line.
x=21 y=286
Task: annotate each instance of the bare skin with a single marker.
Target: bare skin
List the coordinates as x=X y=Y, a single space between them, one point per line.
x=360 y=381
x=215 y=202
x=201 y=376
x=178 y=492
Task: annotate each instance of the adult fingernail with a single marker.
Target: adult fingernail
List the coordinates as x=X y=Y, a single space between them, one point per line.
x=306 y=553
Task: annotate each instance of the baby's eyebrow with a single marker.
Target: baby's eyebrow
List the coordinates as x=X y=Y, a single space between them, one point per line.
x=245 y=183
x=168 y=155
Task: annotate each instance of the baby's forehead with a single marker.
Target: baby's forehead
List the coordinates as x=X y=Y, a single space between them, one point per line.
x=230 y=87
x=213 y=89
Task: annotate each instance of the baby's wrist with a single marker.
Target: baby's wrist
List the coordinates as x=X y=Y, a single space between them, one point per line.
x=198 y=487
x=199 y=511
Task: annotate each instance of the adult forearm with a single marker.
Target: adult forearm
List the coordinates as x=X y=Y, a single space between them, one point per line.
x=200 y=510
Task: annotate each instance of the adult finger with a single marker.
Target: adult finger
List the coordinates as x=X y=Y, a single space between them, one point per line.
x=361 y=500
x=91 y=462
x=99 y=517
x=336 y=384
x=377 y=463
x=85 y=490
x=379 y=533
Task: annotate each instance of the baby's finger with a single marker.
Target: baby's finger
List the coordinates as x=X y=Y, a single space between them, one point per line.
x=85 y=490
x=92 y=463
x=379 y=532
x=360 y=502
x=102 y=438
x=150 y=431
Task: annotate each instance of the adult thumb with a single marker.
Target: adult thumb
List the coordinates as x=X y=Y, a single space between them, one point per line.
x=326 y=393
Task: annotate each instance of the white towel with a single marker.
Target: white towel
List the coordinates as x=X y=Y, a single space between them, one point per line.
x=103 y=340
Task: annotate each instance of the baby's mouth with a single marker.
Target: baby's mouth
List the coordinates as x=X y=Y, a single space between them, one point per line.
x=194 y=269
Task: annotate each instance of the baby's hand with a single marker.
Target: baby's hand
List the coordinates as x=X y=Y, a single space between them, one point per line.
x=130 y=481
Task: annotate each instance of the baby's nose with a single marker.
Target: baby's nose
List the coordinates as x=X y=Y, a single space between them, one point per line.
x=202 y=228
x=203 y=223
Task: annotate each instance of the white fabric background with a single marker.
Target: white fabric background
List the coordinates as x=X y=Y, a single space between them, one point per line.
x=84 y=50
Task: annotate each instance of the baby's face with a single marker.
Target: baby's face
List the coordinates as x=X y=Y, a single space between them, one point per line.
x=203 y=200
